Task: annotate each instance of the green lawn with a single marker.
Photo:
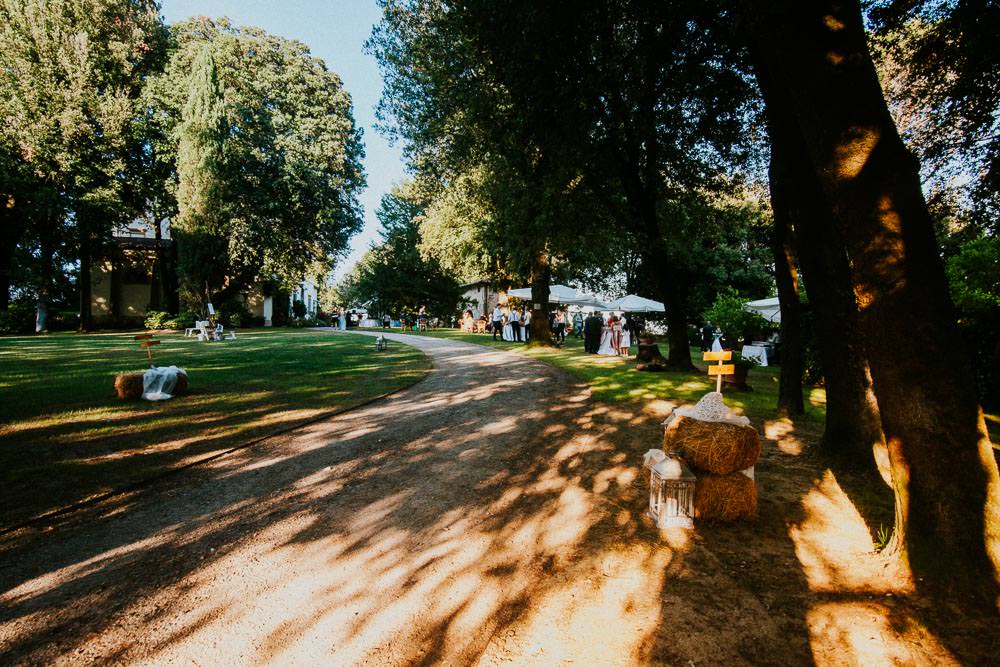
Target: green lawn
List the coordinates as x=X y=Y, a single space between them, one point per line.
x=615 y=379
x=64 y=436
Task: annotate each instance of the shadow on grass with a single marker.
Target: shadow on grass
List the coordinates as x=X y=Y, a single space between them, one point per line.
x=66 y=437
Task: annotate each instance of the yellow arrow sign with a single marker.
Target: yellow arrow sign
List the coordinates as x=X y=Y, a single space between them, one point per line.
x=722 y=369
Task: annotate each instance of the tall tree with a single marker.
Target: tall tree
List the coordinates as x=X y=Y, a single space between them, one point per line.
x=201 y=198
x=290 y=169
x=944 y=471
x=71 y=71
x=393 y=277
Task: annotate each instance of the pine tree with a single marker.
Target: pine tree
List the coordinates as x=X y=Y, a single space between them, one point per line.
x=201 y=221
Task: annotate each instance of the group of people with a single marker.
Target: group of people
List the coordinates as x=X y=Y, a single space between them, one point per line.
x=419 y=321
x=612 y=336
x=514 y=325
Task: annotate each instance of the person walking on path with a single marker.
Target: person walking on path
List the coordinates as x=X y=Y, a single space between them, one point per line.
x=497 y=324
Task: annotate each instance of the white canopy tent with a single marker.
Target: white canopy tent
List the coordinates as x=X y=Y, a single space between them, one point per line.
x=766 y=308
x=634 y=303
x=562 y=294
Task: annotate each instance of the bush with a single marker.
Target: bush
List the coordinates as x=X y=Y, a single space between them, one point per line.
x=300 y=322
x=298 y=309
x=156 y=319
x=18 y=318
x=63 y=320
x=728 y=314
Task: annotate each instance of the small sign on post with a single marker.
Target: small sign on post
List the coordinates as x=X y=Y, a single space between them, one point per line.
x=146 y=341
x=721 y=369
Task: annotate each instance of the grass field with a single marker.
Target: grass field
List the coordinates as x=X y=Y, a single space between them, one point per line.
x=615 y=379
x=64 y=436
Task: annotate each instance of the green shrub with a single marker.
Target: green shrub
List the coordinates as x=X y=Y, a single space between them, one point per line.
x=156 y=319
x=298 y=309
x=18 y=318
x=728 y=314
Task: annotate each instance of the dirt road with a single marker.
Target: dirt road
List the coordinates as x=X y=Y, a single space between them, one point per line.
x=491 y=514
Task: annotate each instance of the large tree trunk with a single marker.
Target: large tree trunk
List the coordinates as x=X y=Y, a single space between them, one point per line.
x=170 y=284
x=853 y=429
x=944 y=471
x=541 y=277
x=675 y=293
x=786 y=276
x=85 y=287
x=45 y=272
x=156 y=281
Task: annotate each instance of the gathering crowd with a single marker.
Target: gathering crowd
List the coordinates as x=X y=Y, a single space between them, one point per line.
x=610 y=336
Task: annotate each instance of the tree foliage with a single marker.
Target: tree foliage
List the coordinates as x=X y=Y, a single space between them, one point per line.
x=939 y=66
x=393 y=277
x=285 y=167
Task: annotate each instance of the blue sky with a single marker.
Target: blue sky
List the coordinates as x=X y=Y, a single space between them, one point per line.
x=335 y=30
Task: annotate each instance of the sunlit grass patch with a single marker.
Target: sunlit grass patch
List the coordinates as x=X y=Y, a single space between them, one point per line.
x=64 y=436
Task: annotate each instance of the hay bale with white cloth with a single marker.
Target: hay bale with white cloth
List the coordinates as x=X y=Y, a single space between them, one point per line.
x=163 y=383
x=711 y=438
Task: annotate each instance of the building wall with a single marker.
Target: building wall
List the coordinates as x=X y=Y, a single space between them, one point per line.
x=134 y=295
x=483 y=297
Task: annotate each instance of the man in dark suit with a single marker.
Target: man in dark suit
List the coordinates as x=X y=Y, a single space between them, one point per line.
x=592 y=333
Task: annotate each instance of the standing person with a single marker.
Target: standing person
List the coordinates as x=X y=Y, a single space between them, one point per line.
x=592 y=333
x=526 y=321
x=625 y=340
x=578 y=324
x=386 y=321
x=515 y=325
x=616 y=333
x=706 y=336
x=560 y=326
x=497 y=324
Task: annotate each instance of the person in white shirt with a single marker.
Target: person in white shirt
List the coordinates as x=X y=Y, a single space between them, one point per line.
x=497 y=321
x=527 y=325
x=515 y=325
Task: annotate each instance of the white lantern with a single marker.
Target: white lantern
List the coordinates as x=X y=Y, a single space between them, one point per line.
x=671 y=494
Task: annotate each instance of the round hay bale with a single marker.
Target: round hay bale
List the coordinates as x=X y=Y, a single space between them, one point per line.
x=725 y=497
x=715 y=447
x=128 y=386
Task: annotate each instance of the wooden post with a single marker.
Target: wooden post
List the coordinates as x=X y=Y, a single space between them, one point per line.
x=721 y=369
x=146 y=341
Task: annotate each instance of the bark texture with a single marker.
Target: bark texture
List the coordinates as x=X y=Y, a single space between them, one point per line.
x=853 y=429
x=786 y=276
x=541 y=277
x=944 y=470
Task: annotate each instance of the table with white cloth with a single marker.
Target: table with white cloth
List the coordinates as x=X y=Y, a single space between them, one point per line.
x=757 y=353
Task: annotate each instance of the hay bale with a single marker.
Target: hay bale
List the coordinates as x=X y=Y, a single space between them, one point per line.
x=128 y=386
x=725 y=497
x=716 y=447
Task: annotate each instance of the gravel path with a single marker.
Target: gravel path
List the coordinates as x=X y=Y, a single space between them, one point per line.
x=474 y=517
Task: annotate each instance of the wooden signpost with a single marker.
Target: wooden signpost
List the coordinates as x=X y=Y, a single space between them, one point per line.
x=146 y=341
x=720 y=369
